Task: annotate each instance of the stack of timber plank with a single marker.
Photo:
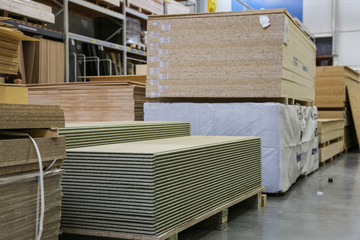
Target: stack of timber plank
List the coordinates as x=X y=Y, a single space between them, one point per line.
x=19 y=169
x=93 y=102
x=229 y=55
x=102 y=133
x=29 y=9
x=147 y=189
x=331 y=138
x=44 y=61
x=177 y=8
x=147 y=6
x=10 y=39
x=337 y=88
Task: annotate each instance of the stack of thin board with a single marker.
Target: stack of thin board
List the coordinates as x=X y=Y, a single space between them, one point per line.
x=19 y=194
x=102 y=133
x=28 y=8
x=229 y=55
x=144 y=190
x=44 y=61
x=147 y=6
x=10 y=38
x=93 y=102
x=334 y=85
x=177 y=8
x=19 y=169
x=331 y=138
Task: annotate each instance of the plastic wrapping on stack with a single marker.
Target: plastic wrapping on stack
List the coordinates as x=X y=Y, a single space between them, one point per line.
x=133 y=30
x=143 y=190
x=101 y=133
x=288 y=133
x=19 y=203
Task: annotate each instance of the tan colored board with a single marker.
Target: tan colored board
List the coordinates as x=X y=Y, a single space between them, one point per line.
x=327 y=152
x=354 y=97
x=151 y=6
x=330 y=129
x=229 y=55
x=177 y=8
x=116 y=78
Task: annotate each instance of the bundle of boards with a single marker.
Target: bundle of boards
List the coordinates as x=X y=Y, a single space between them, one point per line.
x=157 y=7
x=28 y=8
x=101 y=133
x=229 y=55
x=92 y=102
x=10 y=39
x=149 y=188
x=19 y=170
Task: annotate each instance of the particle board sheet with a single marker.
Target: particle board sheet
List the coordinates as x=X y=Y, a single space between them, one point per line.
x=93 y=102
x=229 y=55
x=330 y=129
x=13 y=93
x=19 y=194
x=44 y=61
x=331 y=83
x=102 y=133
x=27 y=116
x=151 y=6
x=10 y=39
x=30 y=9
x=354 y=98
x=20 y=155
x=145 y=189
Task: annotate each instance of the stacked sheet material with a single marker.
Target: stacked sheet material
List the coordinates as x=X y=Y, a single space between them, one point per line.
x=145 y=189
x=101 y=133
x=18 y=208
x=331 y=138
x=24 y=116
x=288 y=133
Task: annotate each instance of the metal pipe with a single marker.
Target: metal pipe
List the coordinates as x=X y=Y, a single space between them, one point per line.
x=124 y=55
x=66 y=31
x=75 y=68
x=335 y=33
x=245 y=4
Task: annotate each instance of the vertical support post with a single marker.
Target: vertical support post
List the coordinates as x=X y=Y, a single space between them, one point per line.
x=66 y=31
x=124 y=56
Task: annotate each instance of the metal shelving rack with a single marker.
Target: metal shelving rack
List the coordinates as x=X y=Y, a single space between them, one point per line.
x=107 y=12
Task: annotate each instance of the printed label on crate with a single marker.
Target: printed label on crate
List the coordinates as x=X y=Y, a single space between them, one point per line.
x=163 y=76
x=162 y=87
x=164 y=64
x=164 y=39
x=163 y=51
x=154 y=59
x=154 y=33
x=156 y=23
x=154 y=82
x=154 y=70
x=165 y=27
x=155 y=94
x=264 y=21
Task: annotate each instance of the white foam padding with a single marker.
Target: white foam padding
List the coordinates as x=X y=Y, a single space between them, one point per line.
x=288 y=133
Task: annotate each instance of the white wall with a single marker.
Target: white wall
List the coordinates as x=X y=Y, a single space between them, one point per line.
x=222 y=5
x=318 y=17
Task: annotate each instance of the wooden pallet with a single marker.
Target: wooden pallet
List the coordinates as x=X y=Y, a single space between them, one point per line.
x=216 y=219
x=140 y=9
x=136 y=46
x=286 y=101
x=329 y=150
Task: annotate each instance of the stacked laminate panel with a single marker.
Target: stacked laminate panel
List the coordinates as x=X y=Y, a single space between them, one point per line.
x=102 y=133
x=333 y=86
x=331 y=138
x=10 y=38
x=145 y=189
x=177 y=8
x=28 y=8
x=147 y=6
x=44 y=61
x=229 y=55
x=18 y=206
x=93 y=102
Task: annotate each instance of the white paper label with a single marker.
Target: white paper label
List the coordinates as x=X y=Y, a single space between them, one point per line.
x=154 y=33
x=154 y=70
x=156 y=23
x=163 y=76
x=163 y=51
x=264 y=21
x=165 y=27
x=154 y=82
x=164 y=64
x=154 y=59
x=155 y=94
x=153 y=45
x=73 y=42
x=163 y=87
x=165 y=40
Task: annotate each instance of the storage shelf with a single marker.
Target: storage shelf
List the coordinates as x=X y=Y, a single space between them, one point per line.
x=136 y=13
x=99 y=9
x=37 y=30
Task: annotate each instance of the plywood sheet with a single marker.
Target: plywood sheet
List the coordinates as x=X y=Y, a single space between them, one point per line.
x=228 y=55
x=330 y=129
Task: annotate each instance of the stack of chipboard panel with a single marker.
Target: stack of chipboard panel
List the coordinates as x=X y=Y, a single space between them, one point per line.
x=247 y=54
x=102 y=133
x=288 y=133
x=19 y=201
x=143 y=190
x=331 y=138
x=19 y=169
x=93 y=102
x=337 y=88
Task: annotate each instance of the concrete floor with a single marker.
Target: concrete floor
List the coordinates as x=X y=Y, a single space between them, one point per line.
x=312 y=209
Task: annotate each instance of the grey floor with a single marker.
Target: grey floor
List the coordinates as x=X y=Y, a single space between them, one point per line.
x=312 y=209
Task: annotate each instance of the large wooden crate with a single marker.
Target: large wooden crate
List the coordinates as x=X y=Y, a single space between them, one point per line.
x=229 y=55
x=331 y=83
